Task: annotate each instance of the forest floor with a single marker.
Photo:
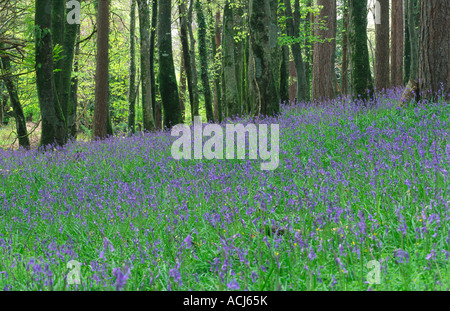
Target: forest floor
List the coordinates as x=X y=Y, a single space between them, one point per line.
x=360 y=201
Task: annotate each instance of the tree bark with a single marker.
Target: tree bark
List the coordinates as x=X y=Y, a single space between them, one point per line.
x=193 y=95
x=322 y=81
x=156 y=104
x=382 y=47
x=344 y=75
x=263 y=84
x=232 y=103
x=132 y=70
x=204 y=61
x=167 y=79
x=292 y=29
x=102 y=71
x=434 y=48
x=144 y=29
x=413 y=17
x=53 y=125
x=21 y=125
x=397 y=43
x=193 y=61
x=361 y=75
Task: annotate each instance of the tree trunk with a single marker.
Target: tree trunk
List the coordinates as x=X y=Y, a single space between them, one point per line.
x=156 y=104
x=361 y=76
x=67 y=103
x=21 y=125
x=292 y=29
x=53 y=125
x=193 y=95
x=232 y=103
x=382 y=47
x=72 y=123
x=102 y=72
x=284 y=75
x=397 y=43
x=58 y=26
x=344 y=75
x=193 y=61
x=167 y=79
x=322 y=81
x=413 y=17
x=144 y=29
x=217 y=76
x=434 y=48
x=132 y=85
x=183 y=88
x=263 y=84
x=204 y=61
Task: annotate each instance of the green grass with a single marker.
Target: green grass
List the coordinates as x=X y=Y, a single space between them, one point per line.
x=335 y=160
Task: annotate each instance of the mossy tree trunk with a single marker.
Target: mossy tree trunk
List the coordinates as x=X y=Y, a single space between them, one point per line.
x=144 y=30
x=157 y=109
x=21 y=125
x=231 y=101
x=193 y=95
x=193 y=58
x=53 y=123
x=167 y=79
x=292 y=30
x=361 y=75
x=204 y=61
x=132 y=70
x=262 y=83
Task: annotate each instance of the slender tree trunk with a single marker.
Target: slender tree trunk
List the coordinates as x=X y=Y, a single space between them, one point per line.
x=157 y=109
x=67 y=103
x=102 y=71
x=413 y=17
x=434 y=48
x=74 y=90
x=183 y=88
x=382 y=47
x=292 y=29
x=144 y=29
x=53 y=124
x=322 y=82
x=186 y=57
x=21 y=125
x=193 y=61
x=212 y=35
x=344 y=85
x=218 y=53
x=284 y=74
x=132 y=70
x=397 y=43
x=361 y=75
x=204 y=61
x=167 y=79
